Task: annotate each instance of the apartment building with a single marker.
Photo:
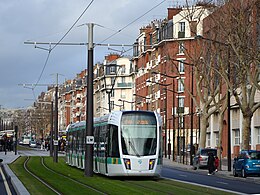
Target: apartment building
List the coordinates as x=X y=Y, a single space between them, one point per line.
x=164 y=72
x=72 y=100
x=113 y=85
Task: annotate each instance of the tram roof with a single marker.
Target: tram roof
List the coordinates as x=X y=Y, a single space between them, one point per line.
x=108 y=118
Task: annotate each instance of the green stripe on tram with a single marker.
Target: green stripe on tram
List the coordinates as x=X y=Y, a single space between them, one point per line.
x=109 y=160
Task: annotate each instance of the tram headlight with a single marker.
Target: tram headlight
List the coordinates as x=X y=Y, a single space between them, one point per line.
x=151 y=164
x=127 y=163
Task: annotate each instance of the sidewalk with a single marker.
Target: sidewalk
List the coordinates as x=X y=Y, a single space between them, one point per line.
x=221 y=173
x=8 y=158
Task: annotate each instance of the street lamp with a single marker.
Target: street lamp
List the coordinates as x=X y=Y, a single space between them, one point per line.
x=173 y=114
x=146 y=98
x=165 y=118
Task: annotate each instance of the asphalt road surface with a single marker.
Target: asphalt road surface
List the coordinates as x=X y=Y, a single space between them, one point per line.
x=212 y=180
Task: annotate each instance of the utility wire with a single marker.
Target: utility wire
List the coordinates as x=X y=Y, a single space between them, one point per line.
x=133 y=21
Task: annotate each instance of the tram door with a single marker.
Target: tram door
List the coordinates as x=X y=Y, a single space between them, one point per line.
x=96 y=138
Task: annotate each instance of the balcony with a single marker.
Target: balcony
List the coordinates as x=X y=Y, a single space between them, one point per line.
x=124 y=84
x=181 y=34
x=180 y=109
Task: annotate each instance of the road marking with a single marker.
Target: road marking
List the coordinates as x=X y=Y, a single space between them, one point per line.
x=220 y=182
x=5 y=183
x=183 y=175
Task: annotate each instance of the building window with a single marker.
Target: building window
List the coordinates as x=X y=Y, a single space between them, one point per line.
x=180 y=108
x=181 y=66
x=216 y=138
x=182 y=26
x=122 y=79
x=180 y=85
x=112 y=105
x=208 y=139
x=181 y=47
x=258 y=135
x=180 y=122
x=112 y=93
x=237 y=136
x=123 y=69
x=112 y=69
x=113 y=79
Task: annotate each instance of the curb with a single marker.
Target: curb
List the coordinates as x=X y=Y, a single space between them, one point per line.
x=17 y=184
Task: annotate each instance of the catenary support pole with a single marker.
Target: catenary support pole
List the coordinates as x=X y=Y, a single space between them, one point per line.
x=51 y=131
x=89 y=110
x=55 y=155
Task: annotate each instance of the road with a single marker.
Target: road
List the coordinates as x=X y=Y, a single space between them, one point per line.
x=213 y=181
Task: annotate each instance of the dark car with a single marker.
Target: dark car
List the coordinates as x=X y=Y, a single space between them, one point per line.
x=201 y=158
x=247 y=163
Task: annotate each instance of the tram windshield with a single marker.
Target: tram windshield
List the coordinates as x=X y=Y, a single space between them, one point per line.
x=138 y=134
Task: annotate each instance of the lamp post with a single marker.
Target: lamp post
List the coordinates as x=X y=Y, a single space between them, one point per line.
x=146 y=98
x=165 y=118
x=173 y=114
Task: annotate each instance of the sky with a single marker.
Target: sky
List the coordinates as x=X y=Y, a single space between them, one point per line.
x=48 y=21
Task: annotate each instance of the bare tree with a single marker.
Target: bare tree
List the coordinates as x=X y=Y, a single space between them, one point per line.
x=237 y=23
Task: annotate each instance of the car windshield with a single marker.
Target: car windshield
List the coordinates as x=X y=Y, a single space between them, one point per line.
x=254 y=155
x=204 y=152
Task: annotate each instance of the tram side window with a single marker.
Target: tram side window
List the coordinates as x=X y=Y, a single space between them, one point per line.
x=80 y=140
x=70 y=141
x=102 y=140
x=74 y=141
x=113 y=142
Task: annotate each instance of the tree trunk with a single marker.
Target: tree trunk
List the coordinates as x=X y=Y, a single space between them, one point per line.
x=203 y=130
x=246 y=125
x=220 y=122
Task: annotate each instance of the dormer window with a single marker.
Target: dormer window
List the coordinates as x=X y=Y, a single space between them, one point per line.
x=181 y=33
x=182 y=27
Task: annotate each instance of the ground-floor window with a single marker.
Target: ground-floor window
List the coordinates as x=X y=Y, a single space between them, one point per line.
x=237 y=136
x=208 y=139
x=216 y=138
x=257 y=135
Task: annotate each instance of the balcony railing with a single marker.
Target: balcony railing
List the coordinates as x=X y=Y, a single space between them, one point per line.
x=181 y=34
x=124 y=84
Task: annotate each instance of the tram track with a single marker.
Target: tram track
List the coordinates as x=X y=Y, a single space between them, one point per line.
x=39 y=179
x=157 y=190
x=73 y=180
x=160 y=186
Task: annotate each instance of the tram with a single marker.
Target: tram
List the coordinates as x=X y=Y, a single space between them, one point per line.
x=126 y=143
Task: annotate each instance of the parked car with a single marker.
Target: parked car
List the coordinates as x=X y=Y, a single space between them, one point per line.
x=247 y=163
x=201 y=157
x=33 y=144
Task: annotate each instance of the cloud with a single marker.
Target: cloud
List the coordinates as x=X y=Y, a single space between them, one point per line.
x=44 y=20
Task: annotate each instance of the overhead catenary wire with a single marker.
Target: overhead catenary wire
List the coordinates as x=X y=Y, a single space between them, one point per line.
x=50 y=49
x=133 y=21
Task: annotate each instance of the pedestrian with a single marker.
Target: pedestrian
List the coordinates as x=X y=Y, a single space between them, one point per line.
x=211 y=163
x=216 y=163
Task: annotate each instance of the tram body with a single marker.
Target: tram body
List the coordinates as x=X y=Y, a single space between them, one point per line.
x=126 y=143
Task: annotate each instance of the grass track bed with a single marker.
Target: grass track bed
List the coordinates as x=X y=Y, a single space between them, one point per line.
x=104 y=184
